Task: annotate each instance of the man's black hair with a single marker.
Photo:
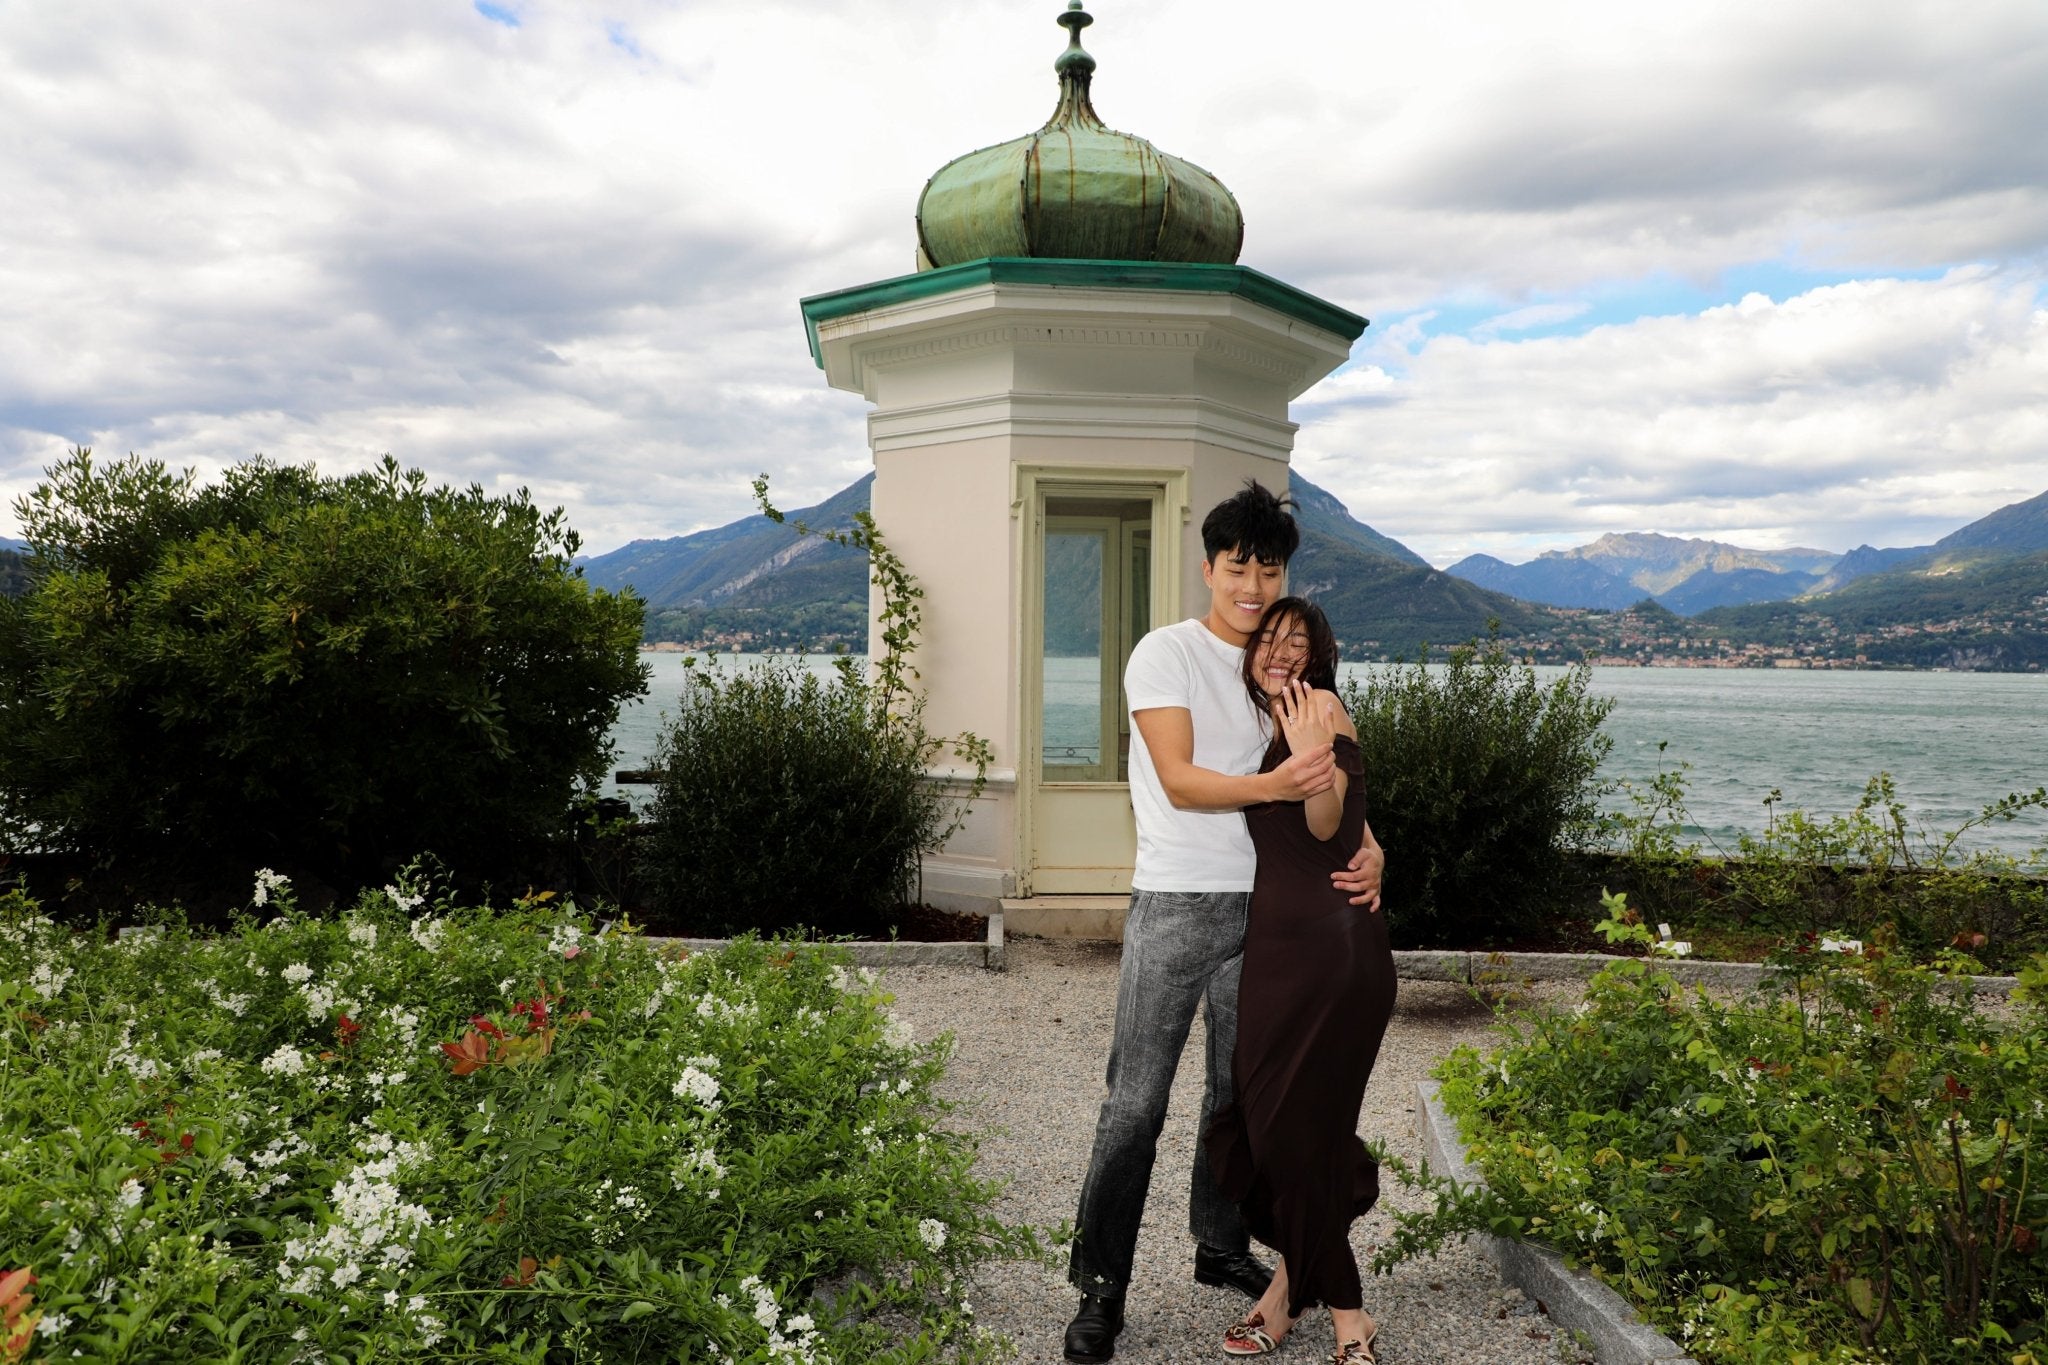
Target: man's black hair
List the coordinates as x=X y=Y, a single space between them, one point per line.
x=1251 y=524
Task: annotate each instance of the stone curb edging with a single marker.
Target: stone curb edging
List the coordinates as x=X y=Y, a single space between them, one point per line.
x=1573 y=1298
x=1464 y=968
x=987 y=954
x=1504 y=968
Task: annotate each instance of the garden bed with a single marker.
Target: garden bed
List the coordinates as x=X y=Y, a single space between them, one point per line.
x=1844 y=1170
x=470 y=1133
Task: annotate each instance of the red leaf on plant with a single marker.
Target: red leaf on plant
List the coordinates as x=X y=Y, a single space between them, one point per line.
x=20 y=1323
x=486 y=1026
x=185 y=1141
x=1956 y=1090
x=14 y=1295
x=2023 y=1239
x=473 y=1051
x=527 y=1267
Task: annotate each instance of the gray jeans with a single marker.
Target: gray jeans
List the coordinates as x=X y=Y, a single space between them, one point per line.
x=1181 y=949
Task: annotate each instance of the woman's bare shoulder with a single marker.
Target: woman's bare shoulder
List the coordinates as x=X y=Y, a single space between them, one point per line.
x=1338 y=714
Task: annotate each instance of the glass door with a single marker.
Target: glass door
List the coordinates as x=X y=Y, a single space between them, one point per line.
x=1079 y=684
x=1095 y=602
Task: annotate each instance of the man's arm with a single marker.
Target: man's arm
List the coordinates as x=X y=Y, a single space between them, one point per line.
x=1168 y=733
x=1361 y=879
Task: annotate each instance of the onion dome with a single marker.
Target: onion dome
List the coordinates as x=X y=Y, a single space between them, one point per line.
x=1076 y=189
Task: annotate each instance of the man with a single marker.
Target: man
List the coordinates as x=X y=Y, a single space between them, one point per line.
x=1194 y=767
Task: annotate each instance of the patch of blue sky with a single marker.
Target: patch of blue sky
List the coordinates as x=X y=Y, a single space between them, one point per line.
x=622 y=38
x=1610 y=303
x=1670 y=295
x=498 y=14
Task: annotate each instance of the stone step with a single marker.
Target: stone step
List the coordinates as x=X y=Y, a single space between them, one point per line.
x=1098 y=917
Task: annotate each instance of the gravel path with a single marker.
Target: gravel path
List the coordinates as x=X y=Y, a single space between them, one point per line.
x=1031 y=1046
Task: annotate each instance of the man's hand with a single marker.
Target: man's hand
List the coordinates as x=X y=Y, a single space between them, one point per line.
x=1361 y=879
x=1305 y=774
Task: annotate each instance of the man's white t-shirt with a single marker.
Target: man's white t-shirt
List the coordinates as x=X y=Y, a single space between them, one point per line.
x=1185 y=665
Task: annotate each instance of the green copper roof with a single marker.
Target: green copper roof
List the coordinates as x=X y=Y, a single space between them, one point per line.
x=1178 y=277
x=1076 y=189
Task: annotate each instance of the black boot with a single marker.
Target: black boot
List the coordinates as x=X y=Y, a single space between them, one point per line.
x=1239 y=1270
x=1091 y=1336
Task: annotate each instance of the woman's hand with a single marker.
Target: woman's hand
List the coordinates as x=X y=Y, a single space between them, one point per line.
x=1308 y=718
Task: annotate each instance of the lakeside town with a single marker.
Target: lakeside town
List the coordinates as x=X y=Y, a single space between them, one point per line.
x=1645 y=636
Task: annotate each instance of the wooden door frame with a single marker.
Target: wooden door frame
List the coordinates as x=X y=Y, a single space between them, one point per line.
x=1165 y=487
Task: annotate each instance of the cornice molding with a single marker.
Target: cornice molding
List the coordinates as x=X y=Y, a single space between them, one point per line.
x=1240 y=332
x=1340 y=324
x=1105 y=416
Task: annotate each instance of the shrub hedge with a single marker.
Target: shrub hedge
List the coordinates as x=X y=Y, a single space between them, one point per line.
x=1482 y=782
x=321 y=674
x=1843 y=875
x=786 y=801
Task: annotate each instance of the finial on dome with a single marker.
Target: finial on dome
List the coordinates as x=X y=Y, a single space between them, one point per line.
x=1076 y=70
x=1075 y=58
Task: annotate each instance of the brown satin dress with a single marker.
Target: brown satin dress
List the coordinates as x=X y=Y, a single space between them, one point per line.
x=1318 y=989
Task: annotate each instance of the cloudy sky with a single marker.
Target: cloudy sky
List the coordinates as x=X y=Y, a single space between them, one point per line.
x=1771 y=273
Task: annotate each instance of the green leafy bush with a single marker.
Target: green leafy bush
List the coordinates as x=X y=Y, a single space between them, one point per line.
x=787 y=801
x=1481 y=781
x=322 y=674
x=1846 y=874
x=472 y=1135
x=13 y=574
x=1845 y=1169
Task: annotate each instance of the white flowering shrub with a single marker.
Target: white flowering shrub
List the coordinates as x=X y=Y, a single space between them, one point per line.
x=423 y=1132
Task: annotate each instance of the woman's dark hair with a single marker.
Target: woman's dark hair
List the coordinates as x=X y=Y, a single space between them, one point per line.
x=1251 y=524
x=1319 y=669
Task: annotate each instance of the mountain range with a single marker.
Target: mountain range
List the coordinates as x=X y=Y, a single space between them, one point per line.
x=756 y=582
x=1692 y=576
x=1978 y=594
x=1977 y=598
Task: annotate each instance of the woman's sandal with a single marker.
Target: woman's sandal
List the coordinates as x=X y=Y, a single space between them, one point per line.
x=1357 y=1352
x=1249 y=1337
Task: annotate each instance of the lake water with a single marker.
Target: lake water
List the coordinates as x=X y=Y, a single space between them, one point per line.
x=1953 y=742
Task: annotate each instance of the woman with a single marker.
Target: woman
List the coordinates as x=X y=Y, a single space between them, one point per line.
x=1317 y=992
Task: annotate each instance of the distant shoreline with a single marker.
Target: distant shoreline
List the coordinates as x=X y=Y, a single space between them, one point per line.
x=1766 y=665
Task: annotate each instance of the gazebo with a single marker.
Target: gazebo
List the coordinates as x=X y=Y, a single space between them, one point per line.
x=1075 y=373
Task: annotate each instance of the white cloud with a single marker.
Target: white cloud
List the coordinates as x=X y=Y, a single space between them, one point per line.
x=1891 y=411
x=1533 y=316
x=568 y=254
